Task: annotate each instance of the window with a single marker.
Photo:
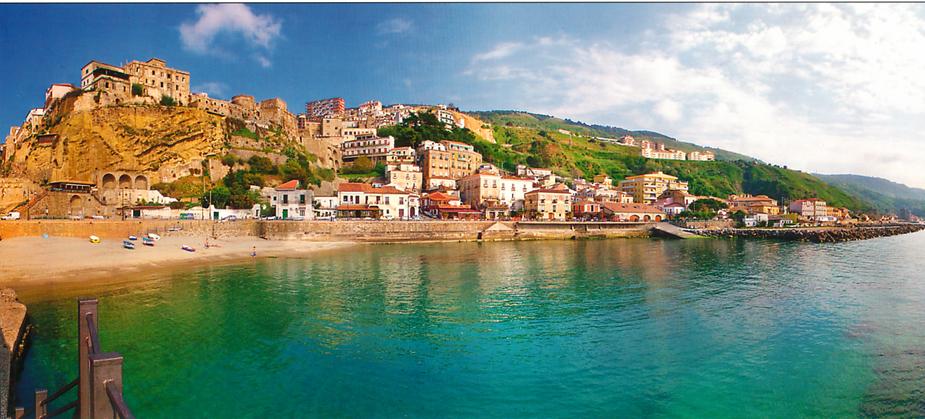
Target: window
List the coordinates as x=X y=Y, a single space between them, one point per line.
x=285 y=199
x=302 y=199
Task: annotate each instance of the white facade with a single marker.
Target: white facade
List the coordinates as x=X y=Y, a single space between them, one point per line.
x=291 y=202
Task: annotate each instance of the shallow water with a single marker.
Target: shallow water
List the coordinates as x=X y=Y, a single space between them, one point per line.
x=602 y=328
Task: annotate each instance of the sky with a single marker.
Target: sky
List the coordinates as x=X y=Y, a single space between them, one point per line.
x=822 y=88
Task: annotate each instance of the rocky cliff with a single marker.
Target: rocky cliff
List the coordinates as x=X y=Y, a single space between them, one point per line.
x=118 y=138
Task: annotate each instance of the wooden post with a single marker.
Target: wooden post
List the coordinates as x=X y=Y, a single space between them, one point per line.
x=40 y=396
x=104 y=368
x=19 y=412
x=84 y=306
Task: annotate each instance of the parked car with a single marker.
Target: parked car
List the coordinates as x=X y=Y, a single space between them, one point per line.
x=229 y=218
x=11 y=216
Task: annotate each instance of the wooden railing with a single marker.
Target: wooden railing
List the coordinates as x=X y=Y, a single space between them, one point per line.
x=99 y=383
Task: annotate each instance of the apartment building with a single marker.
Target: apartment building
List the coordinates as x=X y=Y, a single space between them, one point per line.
x=325 y=107
x=158 y=79
x=401 y=155
x=646 y=188
x=753 y=204
x=451 y=159
x=405 y=176
x=548 y=204
x=491 y=189
x=362 y=200
x=701 y=156
x=812 y=208
x=668 y=154
x=371 y=146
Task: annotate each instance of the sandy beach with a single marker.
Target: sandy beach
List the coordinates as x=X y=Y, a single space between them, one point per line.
x=35 y=262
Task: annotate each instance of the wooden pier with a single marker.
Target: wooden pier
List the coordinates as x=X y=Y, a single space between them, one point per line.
x=99 y=380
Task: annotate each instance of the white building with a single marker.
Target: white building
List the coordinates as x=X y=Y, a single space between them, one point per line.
x=292 y=202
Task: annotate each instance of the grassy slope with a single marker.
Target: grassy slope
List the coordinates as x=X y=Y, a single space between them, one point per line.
x=548 y=123
x=529 y=139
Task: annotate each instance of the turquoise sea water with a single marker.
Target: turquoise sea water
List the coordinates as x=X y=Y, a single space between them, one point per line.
x=592 y=329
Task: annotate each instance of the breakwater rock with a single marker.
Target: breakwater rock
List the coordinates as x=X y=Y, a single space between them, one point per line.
x=815 y=235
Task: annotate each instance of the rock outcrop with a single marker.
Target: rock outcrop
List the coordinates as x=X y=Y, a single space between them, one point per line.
x=139 y=139
x=817 y=235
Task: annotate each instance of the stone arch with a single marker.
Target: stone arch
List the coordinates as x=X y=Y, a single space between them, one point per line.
x=109 y=181
x=658 y=218
x=646 y=218
x=76 y=204
x=125 y=182
x=634 y=218
x=141 y=182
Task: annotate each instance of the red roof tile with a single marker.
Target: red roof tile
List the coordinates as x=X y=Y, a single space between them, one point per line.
x=291 y=185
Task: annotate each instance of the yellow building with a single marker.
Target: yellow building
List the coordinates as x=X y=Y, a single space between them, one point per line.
x=646 y=188
x=548 y=204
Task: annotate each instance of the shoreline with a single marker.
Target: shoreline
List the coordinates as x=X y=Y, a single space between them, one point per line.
x=32 y=264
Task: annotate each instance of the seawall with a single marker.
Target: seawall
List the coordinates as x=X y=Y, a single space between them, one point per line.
x=816 y=235
x=337 y=230
x=15 y=329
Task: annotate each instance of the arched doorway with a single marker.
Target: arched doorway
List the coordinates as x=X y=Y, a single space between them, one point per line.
x=76 y=204
x=109 y=181
x=634 y=218
x=141 y=182
x=646 y=218
x=125 y=182
x=658 y=218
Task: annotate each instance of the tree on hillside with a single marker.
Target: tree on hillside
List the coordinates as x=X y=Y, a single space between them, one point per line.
x=707 y=204
x=423 y=126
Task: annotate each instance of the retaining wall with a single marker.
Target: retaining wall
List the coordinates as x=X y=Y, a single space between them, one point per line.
x=338 y=230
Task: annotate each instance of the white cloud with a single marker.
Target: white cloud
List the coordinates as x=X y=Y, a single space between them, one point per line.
x=500 y=51
x=214 y=89
x=222 y=23
x=668 y=109
x=393 y=26
x=817 y=87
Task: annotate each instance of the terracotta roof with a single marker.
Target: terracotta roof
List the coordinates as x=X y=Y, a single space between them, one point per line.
x=387 y=190
x=291 y=185
x=353 y=187
x=440 y=196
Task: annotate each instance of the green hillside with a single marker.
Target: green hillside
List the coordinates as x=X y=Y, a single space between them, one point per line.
x=881 y=194
x=539 y=122
x=583 y=156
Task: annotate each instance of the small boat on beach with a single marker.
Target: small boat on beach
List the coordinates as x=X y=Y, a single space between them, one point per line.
x=94 y=239
x=154 y=236
x=188 y=249
x=128 y=245
x=132 y=238
x=147 y=242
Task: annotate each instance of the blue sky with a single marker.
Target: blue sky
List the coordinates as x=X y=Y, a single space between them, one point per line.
x=817 y=87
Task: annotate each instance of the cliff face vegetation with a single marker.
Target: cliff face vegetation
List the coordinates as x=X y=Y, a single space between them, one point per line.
x=119 y=138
